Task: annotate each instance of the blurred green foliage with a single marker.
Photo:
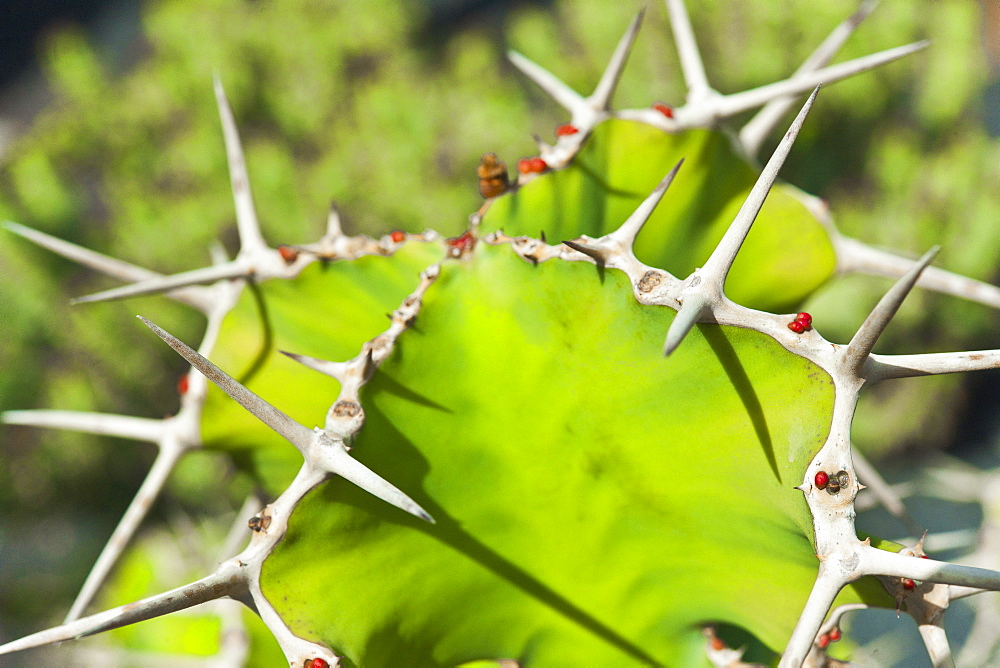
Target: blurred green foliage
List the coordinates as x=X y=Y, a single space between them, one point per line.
x=336 y=101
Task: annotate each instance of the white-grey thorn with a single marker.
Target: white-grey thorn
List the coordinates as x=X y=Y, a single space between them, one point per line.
x=314 y=444
x=857 y=559
x=297 y=650
x=565 y=96
x=932 y=630
x=891 y=564
x=544 y=148
x=121 y=426
x=238 y=578
x=730 y=105
x=854 y=256
x=369 y=366
x=600 y=99
x=170 y=453
x=160 y=284
x=698 y=88
x=430 y=274
x=855 y=355
x=837 y=614
x=254 y=259
x=227 y=580
x=334 y=242
x=174 y=436
x=615 y=248
x=378 y=349
x=217 y=252
x=197 y=297
x=333 y=369
x=702 y=291
x=331 y=455
x=172 y=446
x=334 y=228
x=585 y=246
x=760 y=126
x=296 y=434
x=346 y=416
x=719 y=263
x=585 y=113
x=693 y=308
x=827 y=585
x=528 y=248
x=715 y=108
x=885 y=367
x=628 y=231
x=251 y=239
x=817 y=655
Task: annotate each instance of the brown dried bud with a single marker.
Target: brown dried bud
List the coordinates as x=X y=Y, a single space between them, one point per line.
x=346 y=409
x=492 y=173
x=649 y=281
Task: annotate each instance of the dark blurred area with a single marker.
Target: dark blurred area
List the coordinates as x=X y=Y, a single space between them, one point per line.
x=446 y=18
x=22 y=22
x=113 y=25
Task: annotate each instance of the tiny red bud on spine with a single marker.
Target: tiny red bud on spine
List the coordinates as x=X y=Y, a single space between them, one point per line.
x=908 y=583
x=664 y=109
x=805 y=319
x=823 y=641
x=822 y=478
x=566 y=129
x=835 y=634
x=182 y=385
x=797 y=326
x=397 y=236
x=288 y=254
x=459 y=245
x=531 y=165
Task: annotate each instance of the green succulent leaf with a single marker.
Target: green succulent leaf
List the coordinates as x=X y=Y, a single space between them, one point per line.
x=594 y=500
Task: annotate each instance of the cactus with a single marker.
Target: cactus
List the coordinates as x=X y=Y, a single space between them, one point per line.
x=597 y=430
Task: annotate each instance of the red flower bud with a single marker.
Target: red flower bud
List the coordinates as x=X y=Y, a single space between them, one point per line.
x=664 y=109
x=288 y=254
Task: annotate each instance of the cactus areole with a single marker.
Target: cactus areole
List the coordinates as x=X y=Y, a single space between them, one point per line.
x=512 y=470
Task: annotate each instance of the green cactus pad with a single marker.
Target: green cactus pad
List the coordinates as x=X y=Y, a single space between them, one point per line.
x=566 y=520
